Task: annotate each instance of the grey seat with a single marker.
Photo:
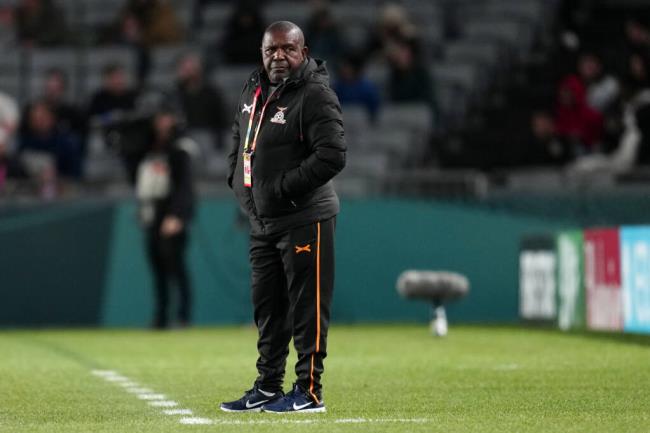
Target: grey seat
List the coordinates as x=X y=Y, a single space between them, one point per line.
x=296 y=12
x=481 y=53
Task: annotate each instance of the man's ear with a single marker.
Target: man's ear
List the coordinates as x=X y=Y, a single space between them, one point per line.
x=305 y=51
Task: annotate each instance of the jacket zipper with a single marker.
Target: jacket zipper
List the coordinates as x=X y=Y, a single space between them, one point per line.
x=275 y=96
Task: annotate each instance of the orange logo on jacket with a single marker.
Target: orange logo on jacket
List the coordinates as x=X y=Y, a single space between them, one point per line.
x=305 y=249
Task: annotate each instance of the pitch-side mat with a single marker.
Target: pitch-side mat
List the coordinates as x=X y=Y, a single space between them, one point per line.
x=171 y=407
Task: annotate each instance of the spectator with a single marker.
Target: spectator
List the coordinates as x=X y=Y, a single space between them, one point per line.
x=546 y=147
x=634 y=144
x=39 y=23
x=353 y=88
x=241 y=41
x=150 y=23
x=145 y=24
x=47 y=139
x=324 y=36
x=10 y=165
x=166 y=196
x=112 y=103
x=410 y=80
x=394 y=27
x=602 y=89
x=575 y=121
x=637 y=36
x=70 y=119
x=202 y=104
x=113 y=109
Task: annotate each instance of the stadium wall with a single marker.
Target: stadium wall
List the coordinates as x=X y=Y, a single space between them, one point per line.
x=84 y=264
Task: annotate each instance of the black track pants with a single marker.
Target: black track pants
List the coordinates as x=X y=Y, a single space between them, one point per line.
x=167 y=259
x=293 y=281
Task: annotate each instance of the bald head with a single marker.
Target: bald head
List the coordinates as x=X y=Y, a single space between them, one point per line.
x=283 y=50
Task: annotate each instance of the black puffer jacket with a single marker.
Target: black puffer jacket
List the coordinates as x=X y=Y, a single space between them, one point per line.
x=300 y=148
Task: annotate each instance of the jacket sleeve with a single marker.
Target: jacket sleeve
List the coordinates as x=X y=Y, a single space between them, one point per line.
x=323 y=128
x=181 y=200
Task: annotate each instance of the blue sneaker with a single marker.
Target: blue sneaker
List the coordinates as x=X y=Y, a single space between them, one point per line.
x=252 y=401
x=295 y=401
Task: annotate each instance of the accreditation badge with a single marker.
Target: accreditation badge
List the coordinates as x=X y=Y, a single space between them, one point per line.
x=248 y=172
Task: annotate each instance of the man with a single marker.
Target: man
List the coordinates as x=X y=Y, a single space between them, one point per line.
x=288 y=145
x=202 y=103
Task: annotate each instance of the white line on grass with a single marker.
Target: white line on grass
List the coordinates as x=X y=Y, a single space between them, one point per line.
x=151 y=396
x=163 y=403
x=177 y=412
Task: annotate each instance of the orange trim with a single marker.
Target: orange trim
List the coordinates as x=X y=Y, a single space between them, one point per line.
x=311 y=373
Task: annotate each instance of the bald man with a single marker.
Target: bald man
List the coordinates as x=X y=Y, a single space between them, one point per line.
x=288 y=144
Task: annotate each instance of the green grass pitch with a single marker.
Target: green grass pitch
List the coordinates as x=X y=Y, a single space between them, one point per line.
x=378 y=379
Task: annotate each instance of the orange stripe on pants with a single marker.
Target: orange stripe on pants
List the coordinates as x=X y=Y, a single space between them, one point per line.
x=311 y=373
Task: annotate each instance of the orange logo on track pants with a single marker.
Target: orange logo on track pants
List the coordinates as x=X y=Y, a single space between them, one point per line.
x=305 y=249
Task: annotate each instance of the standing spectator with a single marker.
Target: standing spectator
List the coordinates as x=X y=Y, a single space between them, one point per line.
x=324 y=36
x=575 y=120
x=165 y=192
x=410 y=80
x=70 y=119
x=202 y=104
x=241 y=41
x=39 y=23
x=354 y=88
x=602 y=89
x=44 y=137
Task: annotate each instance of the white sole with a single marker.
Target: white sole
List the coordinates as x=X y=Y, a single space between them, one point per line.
x=313 y=410
x=255 y=409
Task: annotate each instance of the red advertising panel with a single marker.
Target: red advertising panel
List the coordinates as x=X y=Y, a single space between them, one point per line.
x=603 y=279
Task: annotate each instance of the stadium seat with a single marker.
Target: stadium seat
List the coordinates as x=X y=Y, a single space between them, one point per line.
x=297 y=12
x=93 y=61
x=231 y=80
x=481 y=53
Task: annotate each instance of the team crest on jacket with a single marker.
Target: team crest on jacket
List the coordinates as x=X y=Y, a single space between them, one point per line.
x=279 y=116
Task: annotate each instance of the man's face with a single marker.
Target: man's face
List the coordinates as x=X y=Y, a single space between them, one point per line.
x=282 y=52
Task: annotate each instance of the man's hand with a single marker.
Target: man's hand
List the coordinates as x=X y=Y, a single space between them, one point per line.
x=171 y=226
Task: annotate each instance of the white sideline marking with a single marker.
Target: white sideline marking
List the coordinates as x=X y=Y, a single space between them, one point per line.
x=139 y=390
x=104 y=373
x=151 y=396
x=200 y=421
x=163 y=403
x=177 y=412
x=129 y=384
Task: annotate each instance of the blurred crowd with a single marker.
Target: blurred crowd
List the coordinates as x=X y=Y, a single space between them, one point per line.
x=45 y=140
x=600 y=119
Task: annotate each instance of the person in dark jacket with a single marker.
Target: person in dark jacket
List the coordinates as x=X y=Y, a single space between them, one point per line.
x=288 y=144
x=166 y=197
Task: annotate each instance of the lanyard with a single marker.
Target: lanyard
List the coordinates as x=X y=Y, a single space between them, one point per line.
x=258 y=91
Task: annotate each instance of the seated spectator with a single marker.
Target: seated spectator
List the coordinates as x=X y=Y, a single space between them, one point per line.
x=244 y=31
x=69 y=118
x=638 y=36
x=546 y=148
x=113 y=109
x=602 y=89
x=10 y=165
x=115 y=100
x=150 y=23
x=324 y=36
x=353 y=88
x=410 y=80
x=39 y=23
x=394 y=27
x=575 y=120
x=634 y=144
x=201 y=103
x=46 y=138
